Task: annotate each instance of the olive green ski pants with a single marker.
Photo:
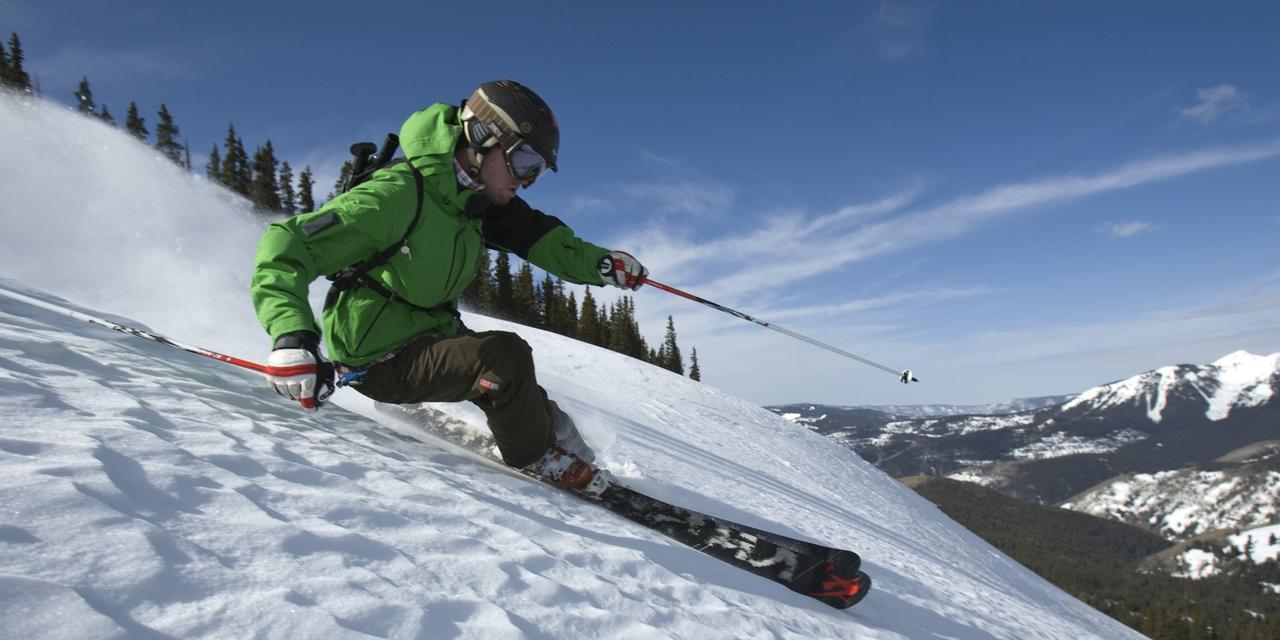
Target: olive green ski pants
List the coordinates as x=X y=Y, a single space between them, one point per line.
x=492 y=369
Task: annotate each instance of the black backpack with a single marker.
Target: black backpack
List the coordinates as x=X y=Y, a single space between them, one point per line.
x=362 y=169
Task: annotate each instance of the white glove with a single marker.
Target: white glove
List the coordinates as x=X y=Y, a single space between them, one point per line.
x=622 y=270
x=297 y=373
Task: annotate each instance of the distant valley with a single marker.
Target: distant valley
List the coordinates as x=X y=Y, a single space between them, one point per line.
x=1184 y=459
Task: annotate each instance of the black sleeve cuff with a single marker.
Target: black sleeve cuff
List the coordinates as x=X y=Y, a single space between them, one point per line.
x=298 y=340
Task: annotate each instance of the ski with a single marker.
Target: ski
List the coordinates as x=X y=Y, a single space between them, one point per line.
x=829 y=575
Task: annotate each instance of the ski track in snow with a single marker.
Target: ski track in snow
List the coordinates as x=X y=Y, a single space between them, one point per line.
x=149 y=493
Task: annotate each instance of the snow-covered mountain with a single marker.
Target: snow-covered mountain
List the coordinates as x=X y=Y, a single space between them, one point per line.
x=1240 y=491
x=1160 y=420
x=900 y=411
x=150 y=493
x=1236 y=381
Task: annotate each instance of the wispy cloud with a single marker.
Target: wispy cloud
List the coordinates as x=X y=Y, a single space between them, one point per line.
x=897 y=30
x=682 y=197
x=793 y=246
x=880 y=302
x=1225 y=102
x=579 y=204
x=1126 y=229
x=113 y=68
x=828 y=252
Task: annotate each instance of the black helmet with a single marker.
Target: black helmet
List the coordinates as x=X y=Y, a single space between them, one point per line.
x=505 y=112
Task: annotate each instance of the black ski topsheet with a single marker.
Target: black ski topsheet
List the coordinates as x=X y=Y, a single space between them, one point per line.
x=831 y=576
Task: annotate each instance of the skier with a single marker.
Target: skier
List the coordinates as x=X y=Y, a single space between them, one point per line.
x=403 y=246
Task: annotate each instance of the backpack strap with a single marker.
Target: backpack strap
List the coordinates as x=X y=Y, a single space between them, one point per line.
x=358 y=274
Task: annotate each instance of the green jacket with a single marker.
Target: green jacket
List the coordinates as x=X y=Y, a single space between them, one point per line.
x=360 y=325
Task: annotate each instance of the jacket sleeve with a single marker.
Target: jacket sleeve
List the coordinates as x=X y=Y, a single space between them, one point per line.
x=347 y=229
x=543 y=240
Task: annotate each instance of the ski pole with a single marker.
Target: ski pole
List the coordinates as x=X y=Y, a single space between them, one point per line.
x=904 y=376
x=145 y=335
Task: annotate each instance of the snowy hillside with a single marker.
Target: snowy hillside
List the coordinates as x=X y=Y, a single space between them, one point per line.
x=146 y=490
x=1187 y=502
x=1254 y=545
x=1238 y=380
x=150 y=493
x=1161 y=420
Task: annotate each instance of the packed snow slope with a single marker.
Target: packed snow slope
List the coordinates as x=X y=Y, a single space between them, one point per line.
x=149 y=493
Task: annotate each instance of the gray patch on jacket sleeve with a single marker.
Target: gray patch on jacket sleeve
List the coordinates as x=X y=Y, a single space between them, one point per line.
x=320 y=224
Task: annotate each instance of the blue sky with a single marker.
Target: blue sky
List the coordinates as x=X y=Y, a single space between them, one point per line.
x=1013 y=199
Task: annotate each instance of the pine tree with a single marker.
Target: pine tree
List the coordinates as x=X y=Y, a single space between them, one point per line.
x=673 y=361
x=604 y=327
x=695 y=372
x=105 y=114
x=186 y=155
x=84 y=98
x=503 y=286
x=570 y=320
x=263 y=191
x=214 y=169
x=14 y=75
x=548 y=305
x=134 y=124
x=526 y=309
x=306 y=186
x=636 y=347
x=618 y=325
x=6 y=72
x=167 y=136
x=288 y=199
x=235 y=174
x=341 y=182
x=588 y=329
x=478 y=297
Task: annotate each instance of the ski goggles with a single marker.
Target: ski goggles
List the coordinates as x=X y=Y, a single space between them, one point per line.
x=525 y=164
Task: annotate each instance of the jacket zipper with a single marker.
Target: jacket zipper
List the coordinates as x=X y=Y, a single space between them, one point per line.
x=386 y=301
x=453 y=280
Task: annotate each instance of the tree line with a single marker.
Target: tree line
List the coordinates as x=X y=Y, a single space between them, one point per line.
x=269 y=184
x=265 y=180
x=1106 y=564
x=500 y=293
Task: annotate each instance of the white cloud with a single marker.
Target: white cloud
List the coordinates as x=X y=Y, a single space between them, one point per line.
x=879 y=302
x=758 y=270
x=816 y=250
x=580 y=203
x=683 y=197
x=1126 y=229
x=1213 y=103
x=65 y=68
x=1225 y=102
x=898 y=29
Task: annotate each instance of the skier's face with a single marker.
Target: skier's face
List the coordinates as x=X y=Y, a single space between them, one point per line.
x=499 y=185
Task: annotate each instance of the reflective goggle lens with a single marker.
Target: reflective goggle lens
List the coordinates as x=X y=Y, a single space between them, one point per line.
x=526 y=164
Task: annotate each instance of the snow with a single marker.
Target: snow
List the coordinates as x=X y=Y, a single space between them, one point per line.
x=1184 y=503
x=1239 y=379
x=145 y=492
x=973 y=476
x=1245 y=380
x=1199 y=564
x=1263 y=548
x=1059 y=444
x=1110 y=395
x=1254 y=544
